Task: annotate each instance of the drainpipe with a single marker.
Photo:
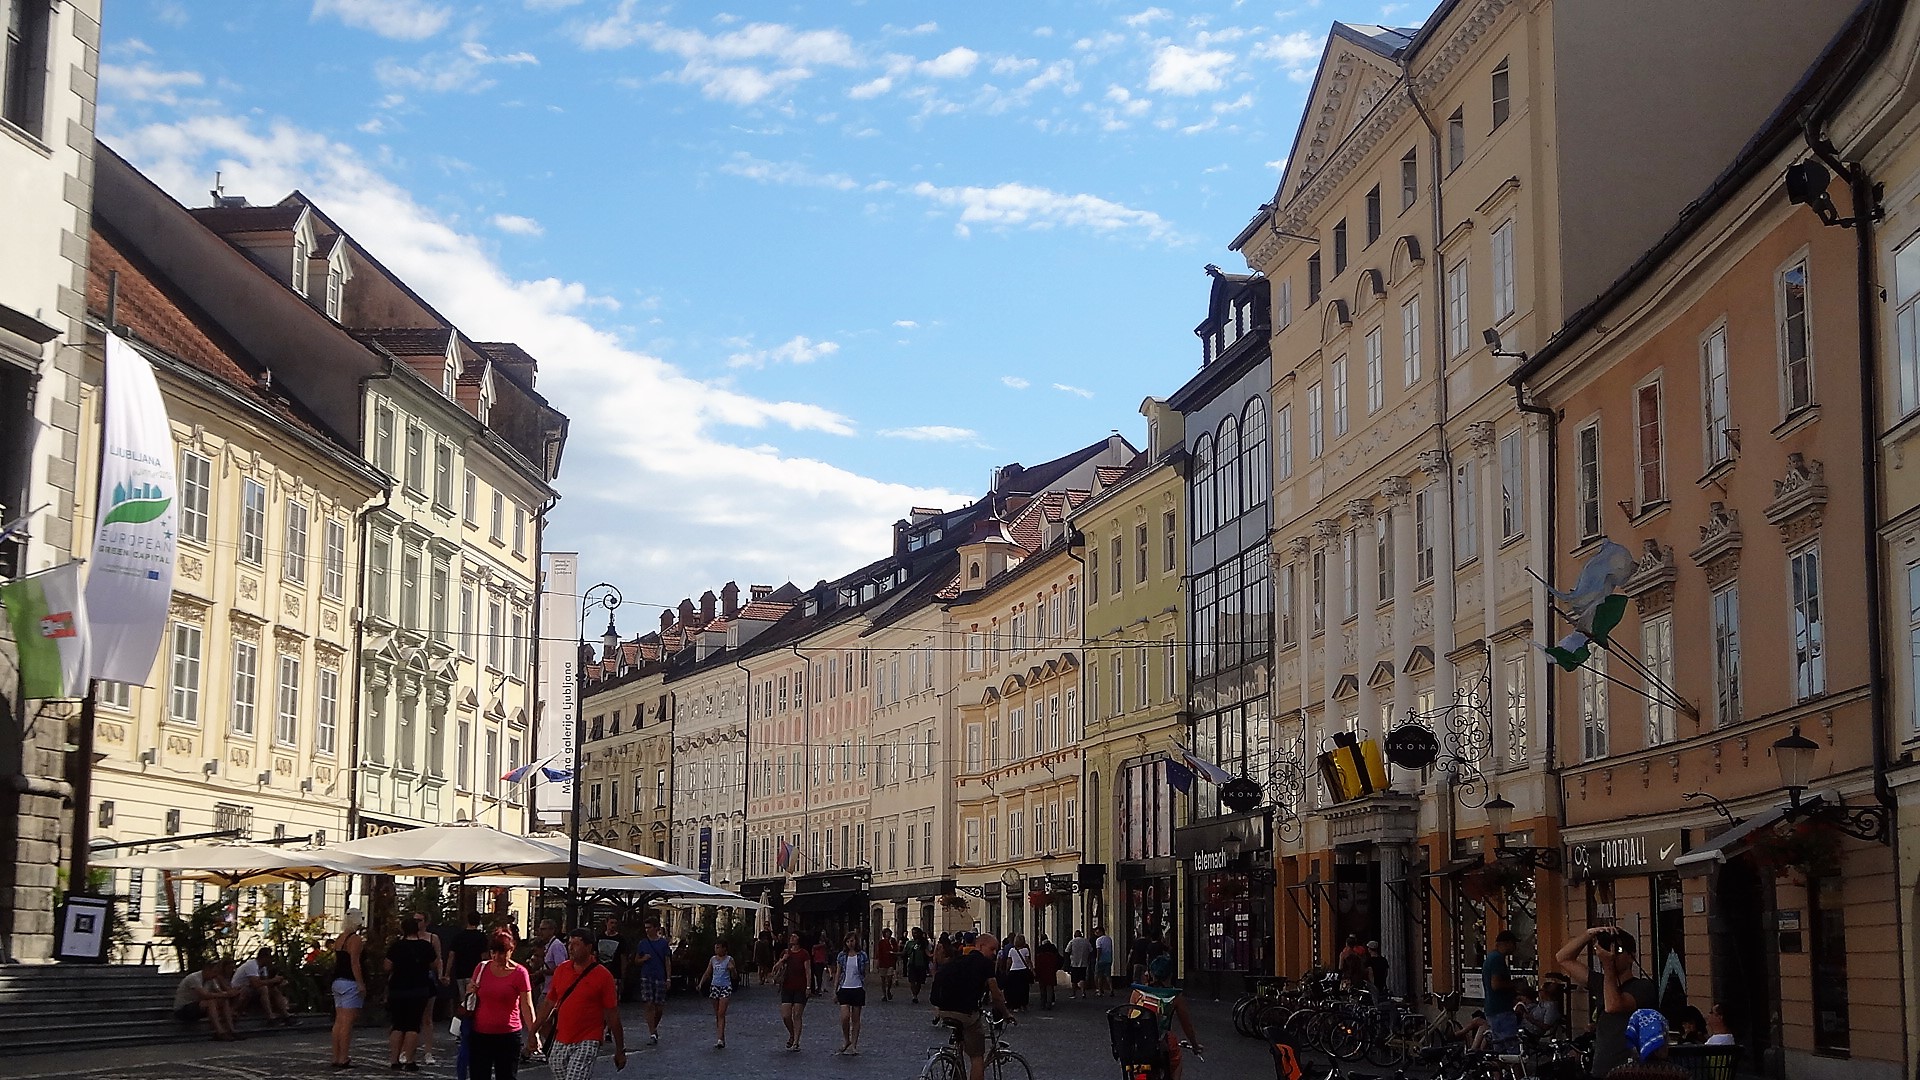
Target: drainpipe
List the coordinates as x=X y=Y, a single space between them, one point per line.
x=1548 y=490
x=746 y=750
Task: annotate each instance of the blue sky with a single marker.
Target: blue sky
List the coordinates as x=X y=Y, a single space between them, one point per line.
x=790 y=268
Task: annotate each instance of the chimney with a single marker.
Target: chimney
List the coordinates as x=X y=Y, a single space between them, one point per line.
x=706 y=607
x=761 y=592
x=666 y=620
x=730 y=600
x=686 y=613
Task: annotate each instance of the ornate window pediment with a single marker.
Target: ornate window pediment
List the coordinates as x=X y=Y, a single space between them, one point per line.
x=1651 y=585
x=1799 y=499
x=1419 y=660
x=1720 y=541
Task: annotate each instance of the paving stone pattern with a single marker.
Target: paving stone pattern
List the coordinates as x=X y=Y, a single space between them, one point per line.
x=1067 y=1043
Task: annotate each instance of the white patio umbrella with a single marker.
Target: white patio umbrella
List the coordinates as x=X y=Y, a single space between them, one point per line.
x=234 y=865
x=677 y=888
x=465 y=850
x=630 y=862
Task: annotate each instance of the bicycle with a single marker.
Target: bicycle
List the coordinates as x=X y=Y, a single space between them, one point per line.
x=1405 y=1038
x=948 y=1062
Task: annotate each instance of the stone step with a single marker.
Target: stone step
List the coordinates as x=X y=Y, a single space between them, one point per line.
x=142 y=1033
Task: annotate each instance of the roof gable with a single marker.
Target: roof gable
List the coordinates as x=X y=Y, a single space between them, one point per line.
x=1357 y=71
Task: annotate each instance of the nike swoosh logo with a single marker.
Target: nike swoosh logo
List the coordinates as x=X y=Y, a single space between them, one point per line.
x=1668 y=850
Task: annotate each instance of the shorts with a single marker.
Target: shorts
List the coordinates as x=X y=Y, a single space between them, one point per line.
x=347 y=995
x=973 y=1033
x=407 y=1013
x=793 y=997
x=1103 y=969
x=720 y=993
x=573 y=1061
x=190 y=1013
x=916 y=973
x=1077 y=974
x=855 y=996
x=653 y=989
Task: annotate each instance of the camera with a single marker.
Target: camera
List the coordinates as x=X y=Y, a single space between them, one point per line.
x=1606 y=939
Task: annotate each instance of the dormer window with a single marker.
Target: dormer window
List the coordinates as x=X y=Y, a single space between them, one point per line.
x=336 y=284
x=446 y=379
x=1230 y=331
x=973 y=571
x=302 y=251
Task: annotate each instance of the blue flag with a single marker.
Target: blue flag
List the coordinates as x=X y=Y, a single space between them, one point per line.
x=1179 y=776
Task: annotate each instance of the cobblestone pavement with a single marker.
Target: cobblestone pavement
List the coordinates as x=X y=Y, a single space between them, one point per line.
x=1067 y=1043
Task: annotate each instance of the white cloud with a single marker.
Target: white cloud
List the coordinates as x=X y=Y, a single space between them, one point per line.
x=402 y=20
x=518 y=225
x=799 y=349
x=929 y=433
x=1077 y=391
x=789 y=173
x=639 y=496
x=1147 y=17
x=742 y=66
x=956 y=63
x=461 y=70
x=906 y=324
x=1023 y=205
x=144 y=82
x=872 y=88
x=1186 y=72
x=1297 y=53
x=1014 y=381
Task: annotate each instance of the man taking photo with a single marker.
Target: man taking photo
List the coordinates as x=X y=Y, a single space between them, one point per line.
x=956 y=992
x=588 y=1004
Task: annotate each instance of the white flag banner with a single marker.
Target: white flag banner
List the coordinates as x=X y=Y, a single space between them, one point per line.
x=130 y=572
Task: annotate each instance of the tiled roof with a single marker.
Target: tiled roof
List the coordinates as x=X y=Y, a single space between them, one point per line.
x=159 y=315
x=517 y=362
x=765 y=610
x=407 y=340
x=1109 y=474
x=228 y=220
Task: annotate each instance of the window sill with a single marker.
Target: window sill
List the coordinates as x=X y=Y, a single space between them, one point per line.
x=26 y=138
x=1797 y=419
x=1648 y=513
x=1508 y=541
x=1715 y=475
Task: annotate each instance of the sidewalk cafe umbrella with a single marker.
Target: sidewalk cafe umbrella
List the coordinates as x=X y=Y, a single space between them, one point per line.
x=628 y=862
x=463 y=851
x=234 y=865
x=674 y=888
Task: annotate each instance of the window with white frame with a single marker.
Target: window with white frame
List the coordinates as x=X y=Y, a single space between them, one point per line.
x=1913 y=647
x=1283 y=442
x=1410 y=340
x=1376 y=377
x=326 y=713
x=1141 y=696
x=1466 y=512
x=1318 y=565
x=1502 y=93
x=470 y=501
x=1809 y=625
x=1383 y=557
x=1287 y=584
x=1423 y=534
x=416 y=459
x=496 y=637
x=253 y=522
x=497 y=520
x=1656 y=652
x=1650 y=443
x=973 y=841
x=1459 y=333
x=183 y=679
x=1456 y=139
x=1409 y=179
x=1518 y=725
x=1513 y=485
x=1337 y=376
x=286 y=718
x=116 y=695
x=333 y=559
x=1119 y=685
x=246 y=686
x=1501 y=243
x=1906 y=324
x=1316 y=437
x=293 y=561
x=976 y=652
x=1586 y=480
x=383 y=425
x=1592 y=698
x=1726 y=656
x=519 y=529
x=1349 y=574
x=1716 y=395
x=443 y=476
x=1283 y=304
x=1796 y=342
x=196 y=495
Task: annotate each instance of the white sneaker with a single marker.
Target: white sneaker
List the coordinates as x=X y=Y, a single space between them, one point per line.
x=719 y=1044
x=432 y=1060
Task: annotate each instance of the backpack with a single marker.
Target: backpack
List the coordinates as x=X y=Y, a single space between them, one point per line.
x=1286 y=1057
x=1135 y=1033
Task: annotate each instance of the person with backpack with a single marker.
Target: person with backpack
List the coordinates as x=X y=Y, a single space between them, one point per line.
x=850 y=983
x=1158 y=996
x=919 y=959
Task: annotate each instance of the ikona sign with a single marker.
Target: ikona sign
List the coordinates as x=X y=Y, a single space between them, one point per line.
x=1618 y=856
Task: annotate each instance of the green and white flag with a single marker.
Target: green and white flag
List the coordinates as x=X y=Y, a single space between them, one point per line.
x=49 y=619
x=130 y=576
x=1594 y=604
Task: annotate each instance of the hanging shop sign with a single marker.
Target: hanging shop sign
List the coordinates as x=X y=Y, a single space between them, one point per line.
x=1618 y=856
x=1412 y=747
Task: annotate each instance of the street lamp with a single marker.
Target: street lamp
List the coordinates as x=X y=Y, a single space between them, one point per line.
x=1500 y=820
x=1794 y=756
x=1233 y=844
x=1500 y=817
x=608 y=597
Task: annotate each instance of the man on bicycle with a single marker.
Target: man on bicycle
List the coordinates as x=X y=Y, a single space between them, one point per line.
x=956 y=992
x=1160 y=997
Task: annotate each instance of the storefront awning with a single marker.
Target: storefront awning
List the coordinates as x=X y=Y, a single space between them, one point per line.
x=1701 y=860
x=834 y=900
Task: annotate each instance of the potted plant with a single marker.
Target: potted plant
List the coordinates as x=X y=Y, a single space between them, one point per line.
x=954 y=902
x=1037 y=898
x=1804 y=850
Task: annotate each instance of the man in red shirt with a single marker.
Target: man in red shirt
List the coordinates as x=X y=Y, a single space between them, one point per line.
x=796 y=975
x=884 y=952
x=588 y=1003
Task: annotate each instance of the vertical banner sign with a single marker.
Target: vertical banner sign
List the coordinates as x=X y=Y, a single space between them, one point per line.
x=130 y=573
x=706 y=854
x=558 y=709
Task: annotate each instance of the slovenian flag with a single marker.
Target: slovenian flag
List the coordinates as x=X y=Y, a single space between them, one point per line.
x=48 y=613
x=524 y=772
x=783 y=856
x=1206 y=770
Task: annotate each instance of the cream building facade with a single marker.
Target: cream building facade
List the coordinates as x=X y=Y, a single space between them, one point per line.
x=244 y=729
x=628 y=768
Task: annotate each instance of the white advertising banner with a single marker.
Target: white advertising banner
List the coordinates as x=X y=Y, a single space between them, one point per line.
x=558 y=709
x=130 y=571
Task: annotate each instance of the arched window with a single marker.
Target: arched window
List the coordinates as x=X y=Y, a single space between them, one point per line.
x=1227 y=468
x=1201 y=512
x=1253 y=452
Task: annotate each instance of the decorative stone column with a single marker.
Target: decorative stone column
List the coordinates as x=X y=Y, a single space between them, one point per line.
x=1300 y=550
x=1438 y=467
x=1393 y=918
x=1398 y=493
x=1326 y=532
x=1484 y=441
x=1366 y=637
